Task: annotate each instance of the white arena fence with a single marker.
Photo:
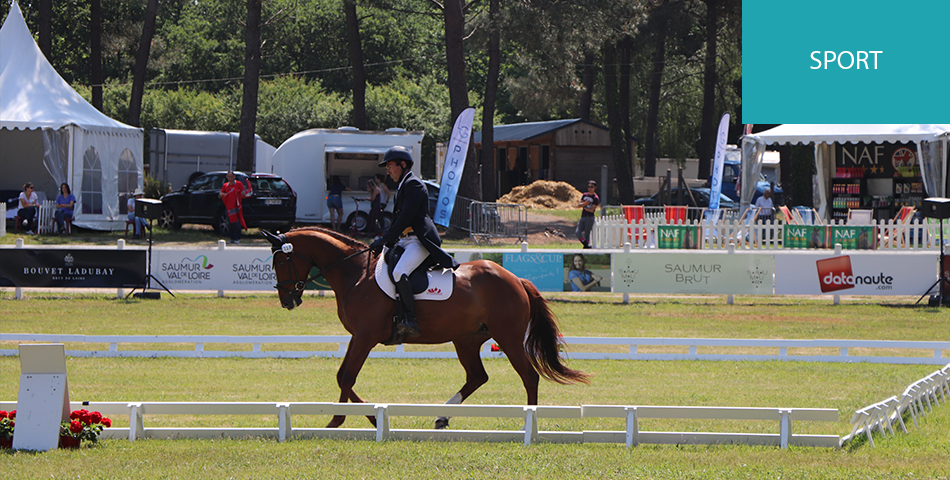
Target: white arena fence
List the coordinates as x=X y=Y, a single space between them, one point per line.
x=612 y=231
x=3 y=215
x=631 y=435
x=578 y=348
x=918 y=398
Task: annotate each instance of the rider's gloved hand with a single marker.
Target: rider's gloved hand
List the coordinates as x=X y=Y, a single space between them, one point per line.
x=377 y=246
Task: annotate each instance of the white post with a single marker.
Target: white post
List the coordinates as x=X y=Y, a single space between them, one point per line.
x=530 y=425
x=524 y=247
x=136 y=423
x=626 y=249
x=18 y=293
x=120 y=245
x=786 y=429
x=633 y=427
x=730 y=299
x=221 y=246
x=837 y=298
x=283 y=422
x=382 y=423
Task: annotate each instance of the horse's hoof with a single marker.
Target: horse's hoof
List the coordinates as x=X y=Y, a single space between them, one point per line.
x=336 y=421
x=441 y=423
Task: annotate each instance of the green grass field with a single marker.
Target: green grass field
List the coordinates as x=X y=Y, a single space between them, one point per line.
x=923 y=453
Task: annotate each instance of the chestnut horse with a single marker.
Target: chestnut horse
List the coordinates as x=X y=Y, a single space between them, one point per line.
x=487 y=302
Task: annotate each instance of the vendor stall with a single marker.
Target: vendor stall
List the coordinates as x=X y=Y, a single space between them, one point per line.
x=869 y=167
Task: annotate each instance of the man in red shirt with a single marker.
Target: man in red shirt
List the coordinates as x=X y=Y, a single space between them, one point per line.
x=231 y=194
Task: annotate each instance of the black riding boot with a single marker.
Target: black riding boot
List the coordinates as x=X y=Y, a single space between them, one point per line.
x=407 y=324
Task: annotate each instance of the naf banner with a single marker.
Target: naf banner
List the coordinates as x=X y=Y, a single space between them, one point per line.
x=71 y=268
x=678 y=236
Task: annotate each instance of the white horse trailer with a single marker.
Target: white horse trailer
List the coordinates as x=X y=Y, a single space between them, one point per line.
x=178 y=156
x=310 y=158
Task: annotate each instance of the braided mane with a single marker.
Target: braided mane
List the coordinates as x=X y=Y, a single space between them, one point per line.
x=345 y=239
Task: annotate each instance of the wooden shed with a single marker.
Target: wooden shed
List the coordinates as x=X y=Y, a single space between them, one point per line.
x=571 y=151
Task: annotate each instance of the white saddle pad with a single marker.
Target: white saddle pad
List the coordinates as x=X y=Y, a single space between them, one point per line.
x=440 y=283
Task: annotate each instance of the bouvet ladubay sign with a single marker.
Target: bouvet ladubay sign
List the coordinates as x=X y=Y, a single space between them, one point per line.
x=71 y=268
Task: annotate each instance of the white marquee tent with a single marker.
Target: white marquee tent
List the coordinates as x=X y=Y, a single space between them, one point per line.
x=931 y=142
x=49 y=135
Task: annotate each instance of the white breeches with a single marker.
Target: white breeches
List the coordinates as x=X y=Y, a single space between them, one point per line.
x=412 y=257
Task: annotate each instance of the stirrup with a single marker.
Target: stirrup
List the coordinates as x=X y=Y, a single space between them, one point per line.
x=406 y=327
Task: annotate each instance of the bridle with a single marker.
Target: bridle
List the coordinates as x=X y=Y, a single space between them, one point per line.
x=281 y=245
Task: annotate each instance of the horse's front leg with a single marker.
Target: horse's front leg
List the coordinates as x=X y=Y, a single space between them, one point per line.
x=356 y=354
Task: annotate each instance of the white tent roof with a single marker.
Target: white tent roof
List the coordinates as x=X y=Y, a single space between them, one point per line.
x=32 y=94
x=854 y=133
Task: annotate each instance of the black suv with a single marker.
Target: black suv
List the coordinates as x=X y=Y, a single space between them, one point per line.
x=272 y=204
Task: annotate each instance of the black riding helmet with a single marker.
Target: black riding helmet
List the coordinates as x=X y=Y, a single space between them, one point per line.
x=397 y=153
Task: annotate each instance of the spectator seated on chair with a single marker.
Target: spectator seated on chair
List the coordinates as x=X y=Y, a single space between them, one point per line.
x=65 y=202
x=137 y=222
x=29 y=202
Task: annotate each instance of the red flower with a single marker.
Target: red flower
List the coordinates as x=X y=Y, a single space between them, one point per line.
x=85 y=418
x=96 y=417
x=107 y=422
x=3 y=414
x=12 y=414
x=74 y=415
x=75 y=426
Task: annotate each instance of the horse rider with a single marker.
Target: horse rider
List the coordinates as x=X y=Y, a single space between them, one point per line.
x=413 y=230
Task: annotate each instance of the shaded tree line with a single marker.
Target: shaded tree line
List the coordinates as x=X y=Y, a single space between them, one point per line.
x=658 y=73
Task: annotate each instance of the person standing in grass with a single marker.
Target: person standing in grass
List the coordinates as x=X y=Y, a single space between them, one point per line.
x=231 y=194
x=588 y=204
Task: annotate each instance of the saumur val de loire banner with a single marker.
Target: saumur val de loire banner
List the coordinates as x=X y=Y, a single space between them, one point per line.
x=235 y=269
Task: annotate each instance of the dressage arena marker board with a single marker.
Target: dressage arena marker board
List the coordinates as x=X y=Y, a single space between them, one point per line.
x=43 y=399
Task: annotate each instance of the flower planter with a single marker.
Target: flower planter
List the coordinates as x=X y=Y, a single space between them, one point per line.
x=69 y=442
x=6 y=442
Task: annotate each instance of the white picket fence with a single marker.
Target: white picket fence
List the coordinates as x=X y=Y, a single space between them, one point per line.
x=917 y=399
x=612 y=231
x=284 y=414
x=578 y=348
x=3 y=215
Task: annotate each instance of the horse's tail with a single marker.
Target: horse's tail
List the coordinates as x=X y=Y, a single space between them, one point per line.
x=543 y=341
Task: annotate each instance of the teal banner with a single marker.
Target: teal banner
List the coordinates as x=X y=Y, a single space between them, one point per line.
x=846 y=61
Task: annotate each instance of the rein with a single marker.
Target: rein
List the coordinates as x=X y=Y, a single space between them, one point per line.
x=300 y=284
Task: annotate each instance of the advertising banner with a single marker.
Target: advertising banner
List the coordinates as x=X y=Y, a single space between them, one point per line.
x=872 y=273
x=545 y=270
x=587 y=272
x=804 y=236
x=454 y=166
x=678 y=236
x=826 y=236
x=238 y=269
x=710 y=273
x=718 y=161
x=71 y=268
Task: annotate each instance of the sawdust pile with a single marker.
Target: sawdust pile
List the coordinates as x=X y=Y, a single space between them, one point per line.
x=543 y=194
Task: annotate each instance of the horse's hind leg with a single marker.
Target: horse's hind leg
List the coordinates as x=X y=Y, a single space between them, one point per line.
x=475 y=374
x=511 y=344
x=356 y=354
